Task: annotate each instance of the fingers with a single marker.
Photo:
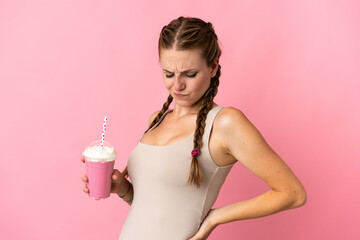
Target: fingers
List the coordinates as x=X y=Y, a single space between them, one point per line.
x=116 y=176
x=85 y=189
x=84 y=178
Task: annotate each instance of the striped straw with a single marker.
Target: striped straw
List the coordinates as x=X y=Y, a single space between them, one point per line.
x=103 y=134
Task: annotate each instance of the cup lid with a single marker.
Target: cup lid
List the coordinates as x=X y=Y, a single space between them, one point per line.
x=94 y=151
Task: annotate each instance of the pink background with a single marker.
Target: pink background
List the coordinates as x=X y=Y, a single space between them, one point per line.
x=291 y=66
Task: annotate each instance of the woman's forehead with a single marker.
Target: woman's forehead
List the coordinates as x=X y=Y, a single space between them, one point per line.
x=171 y=59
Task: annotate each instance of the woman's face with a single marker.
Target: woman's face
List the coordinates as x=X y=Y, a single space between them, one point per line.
x=185 y=72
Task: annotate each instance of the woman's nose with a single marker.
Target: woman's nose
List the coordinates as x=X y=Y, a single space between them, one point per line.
x=178 y=83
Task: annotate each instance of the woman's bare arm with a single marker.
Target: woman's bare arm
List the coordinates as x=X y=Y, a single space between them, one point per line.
x=245 y=143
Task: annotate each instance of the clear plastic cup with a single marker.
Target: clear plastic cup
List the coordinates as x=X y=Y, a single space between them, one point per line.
x=99 y=163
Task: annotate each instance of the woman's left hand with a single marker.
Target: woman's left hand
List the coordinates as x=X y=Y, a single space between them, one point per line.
x=206 y=227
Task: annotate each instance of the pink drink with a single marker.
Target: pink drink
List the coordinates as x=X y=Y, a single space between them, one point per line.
x=99 y=164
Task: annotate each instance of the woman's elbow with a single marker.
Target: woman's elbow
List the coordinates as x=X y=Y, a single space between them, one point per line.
x=301 y=198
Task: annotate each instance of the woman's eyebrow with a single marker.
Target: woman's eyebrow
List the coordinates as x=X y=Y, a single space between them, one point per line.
x=188 y=70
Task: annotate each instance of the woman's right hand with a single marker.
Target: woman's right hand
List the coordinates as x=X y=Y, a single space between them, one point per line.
x=85 y=178
x=119 y=184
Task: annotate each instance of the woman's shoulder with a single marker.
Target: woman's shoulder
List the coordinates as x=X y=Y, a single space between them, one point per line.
x=228 y=116
x=231 y=121
x=232 y=129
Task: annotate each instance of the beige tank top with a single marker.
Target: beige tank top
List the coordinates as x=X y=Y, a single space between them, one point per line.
x=164 y=206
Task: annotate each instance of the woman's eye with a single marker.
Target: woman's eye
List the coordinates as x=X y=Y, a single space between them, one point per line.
x=192 y=76
x=169 y=76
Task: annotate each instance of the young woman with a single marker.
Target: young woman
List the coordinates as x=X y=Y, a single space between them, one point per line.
x=182 y=160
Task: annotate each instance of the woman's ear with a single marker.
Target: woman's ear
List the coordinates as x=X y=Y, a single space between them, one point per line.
x=214 y=68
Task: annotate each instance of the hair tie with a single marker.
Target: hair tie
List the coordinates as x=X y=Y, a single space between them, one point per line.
x=195 y=152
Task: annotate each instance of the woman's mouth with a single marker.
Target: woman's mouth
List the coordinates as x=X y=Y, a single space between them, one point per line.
x=179 y=95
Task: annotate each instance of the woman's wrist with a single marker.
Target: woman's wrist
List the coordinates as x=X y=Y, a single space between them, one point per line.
x=128 y=195
x=121 y=195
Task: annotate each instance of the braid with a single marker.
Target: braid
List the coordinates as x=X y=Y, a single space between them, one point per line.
x=195 y=175
x=165 y=107
x=163 y=110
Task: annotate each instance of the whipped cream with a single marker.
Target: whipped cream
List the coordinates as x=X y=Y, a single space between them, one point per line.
x=96 y=154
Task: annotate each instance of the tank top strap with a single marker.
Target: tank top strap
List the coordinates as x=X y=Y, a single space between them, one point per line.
x=209 y=123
